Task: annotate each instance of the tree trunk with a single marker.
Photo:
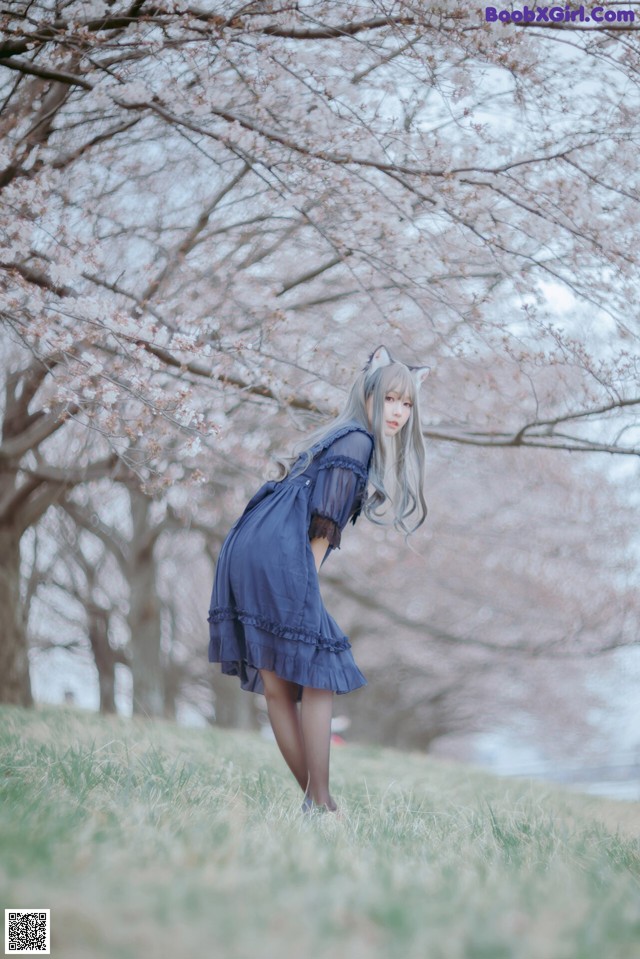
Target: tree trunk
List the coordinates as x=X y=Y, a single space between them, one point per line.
x=144 y=623
x=105 y=657
x=15 y=683
x=144 y=617
x=234 y=707
x=172 y=679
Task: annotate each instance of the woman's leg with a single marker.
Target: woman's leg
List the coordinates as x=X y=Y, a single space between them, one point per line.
x=315 y=716
x=282 y=707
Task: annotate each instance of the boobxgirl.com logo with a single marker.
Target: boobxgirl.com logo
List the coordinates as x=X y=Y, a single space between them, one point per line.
x=558 y=15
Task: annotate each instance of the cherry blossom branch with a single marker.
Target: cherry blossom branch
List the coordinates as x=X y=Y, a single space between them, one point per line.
x=287 y=141
x=476 y=438
x=523 y=437
x=58 y=28
x=177 y=255
x=342 y=159
x=255 y=389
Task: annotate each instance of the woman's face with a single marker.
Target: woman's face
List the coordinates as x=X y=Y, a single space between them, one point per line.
x=396 y=411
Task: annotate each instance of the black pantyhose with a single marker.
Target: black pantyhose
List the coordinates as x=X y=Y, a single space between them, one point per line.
x=303 y=735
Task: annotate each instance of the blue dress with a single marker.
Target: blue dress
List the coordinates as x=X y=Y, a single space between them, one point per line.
x=266 y=610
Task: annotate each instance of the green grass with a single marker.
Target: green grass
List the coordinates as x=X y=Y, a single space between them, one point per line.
x=150 y=840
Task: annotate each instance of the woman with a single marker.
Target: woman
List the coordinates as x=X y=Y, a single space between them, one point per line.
x=268 y=624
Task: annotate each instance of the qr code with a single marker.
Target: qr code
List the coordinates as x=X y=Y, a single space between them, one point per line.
x=27 y=932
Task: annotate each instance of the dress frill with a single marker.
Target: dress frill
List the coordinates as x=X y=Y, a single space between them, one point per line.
x=245 y=643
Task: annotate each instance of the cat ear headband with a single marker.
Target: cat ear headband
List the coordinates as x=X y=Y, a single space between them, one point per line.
x=382 y=357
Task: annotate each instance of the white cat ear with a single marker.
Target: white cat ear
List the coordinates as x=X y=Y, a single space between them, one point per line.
x=420 y=373
x=378 y=358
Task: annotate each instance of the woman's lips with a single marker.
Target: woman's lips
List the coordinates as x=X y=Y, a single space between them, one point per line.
x=393 y=423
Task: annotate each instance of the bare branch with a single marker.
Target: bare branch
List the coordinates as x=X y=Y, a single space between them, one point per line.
x=430 y=633
x=72 y=477
x=37 y=277
x=114 y=543
x=333 y=33
x=581 y=414
x=46 y=73
x=176 y=256
x=14 y=449
x=572 y=444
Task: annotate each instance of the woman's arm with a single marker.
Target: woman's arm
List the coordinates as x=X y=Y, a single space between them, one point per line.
x=339 y=487
x=319 y=549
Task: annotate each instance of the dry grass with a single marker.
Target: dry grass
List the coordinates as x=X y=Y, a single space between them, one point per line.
x=147 y=839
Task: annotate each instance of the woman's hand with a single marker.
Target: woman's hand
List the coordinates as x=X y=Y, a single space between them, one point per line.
x=319 y=549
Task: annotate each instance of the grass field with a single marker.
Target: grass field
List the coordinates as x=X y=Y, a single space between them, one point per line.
x=146 y=839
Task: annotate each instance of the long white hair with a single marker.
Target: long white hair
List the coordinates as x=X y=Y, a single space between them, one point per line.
x=382 y=375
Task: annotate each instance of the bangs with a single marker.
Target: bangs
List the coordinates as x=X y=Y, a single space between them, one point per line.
x=396 y=378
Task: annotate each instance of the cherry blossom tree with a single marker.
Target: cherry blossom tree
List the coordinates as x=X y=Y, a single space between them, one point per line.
x=515 y=604
x=133 y=137
x=215 y=215
x=77 y=602
x=29 y=485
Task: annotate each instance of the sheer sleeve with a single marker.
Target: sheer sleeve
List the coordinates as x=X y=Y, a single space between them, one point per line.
x=340 y=485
